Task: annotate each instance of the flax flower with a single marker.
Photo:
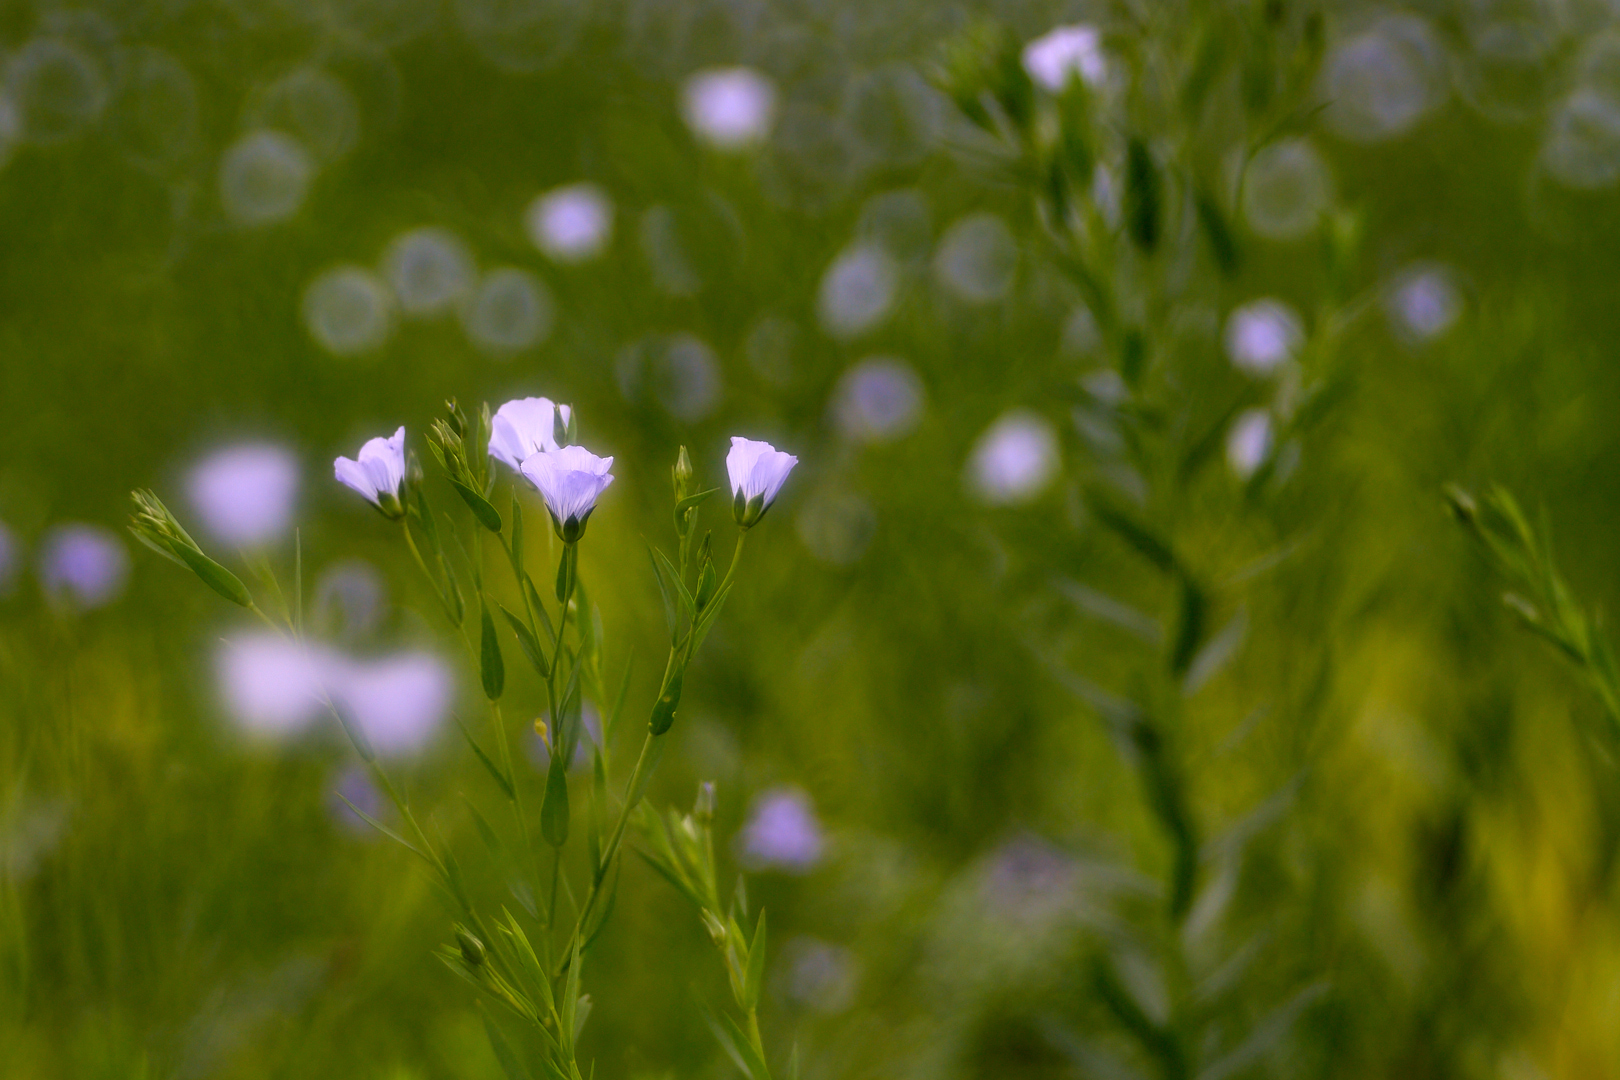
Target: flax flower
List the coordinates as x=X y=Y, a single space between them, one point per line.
x=570 y=479
x=525 y=427
x=757 y=471
x=379 y=474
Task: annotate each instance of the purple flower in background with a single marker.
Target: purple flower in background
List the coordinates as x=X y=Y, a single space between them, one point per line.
x=1014 y=460
x=571 y=224
x=878 y=400
x=1065 y=53
x=83 y=565
x=1263 y=335
x=729 y=108
x=272 y=686
x=782 y=833
x=244 y=494
x=1027 y=879
x=354 y=785
x=398 y=702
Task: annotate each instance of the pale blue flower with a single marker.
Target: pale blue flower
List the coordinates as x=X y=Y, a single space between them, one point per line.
x=570 y=480
x=757 y=471
x=525 y=427
x=378 y=474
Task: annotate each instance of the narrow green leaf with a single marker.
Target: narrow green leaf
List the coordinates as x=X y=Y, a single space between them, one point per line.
x=491 y=667
x=754 y=1065
x=654 y=753
x=1189 y=626
x=501 y=778
x=526 y=642
x=756 y=966
x=540 y=610
x=1143 y=198
x=1147 y=543
x=669 y=874
x=554 y=806
x=215 y=576
x=598 y=810
x=492 y=843
x=688 y=503
x=608 y=905
x=386 y=831
x=1222 y=243
x=487 y=515
x=680 y=586
x=298 y=580
x=503 y=1052
x=570 y=997
x=663 y=592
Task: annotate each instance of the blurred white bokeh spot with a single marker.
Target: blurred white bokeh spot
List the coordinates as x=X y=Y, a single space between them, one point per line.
x=398 y=702
x=782 y=833
x=1286 y=190
x=1248 y=442
x=857 y=291
x=57 y=89
x=1423 y=303
x=272 y=686
x=430 y=269
x=264 y=177
x=348 y=310
x=1379 y=83
x=511 y=311
x=1065 y=53
x=878 y=400
x=314 y=106
x=977 y=258
x=836 y=525
x=1582 y=144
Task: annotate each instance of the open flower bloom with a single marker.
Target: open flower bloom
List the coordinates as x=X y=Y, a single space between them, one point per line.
x=378 y=474
x=757 y=471
x=524 y=428
x=570 y=480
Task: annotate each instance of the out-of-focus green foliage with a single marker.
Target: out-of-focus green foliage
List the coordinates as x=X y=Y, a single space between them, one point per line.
x=1209 y=752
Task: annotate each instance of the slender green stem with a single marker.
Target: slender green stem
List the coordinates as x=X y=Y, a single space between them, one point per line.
x=611 y=849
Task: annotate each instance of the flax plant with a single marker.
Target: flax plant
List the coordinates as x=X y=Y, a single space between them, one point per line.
x=1132 y=191
x=526 y=963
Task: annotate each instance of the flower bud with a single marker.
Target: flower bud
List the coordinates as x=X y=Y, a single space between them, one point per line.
x=703 y=810
x=157 y=528
x=456 y=419
x=683 y=474
x=472 y=950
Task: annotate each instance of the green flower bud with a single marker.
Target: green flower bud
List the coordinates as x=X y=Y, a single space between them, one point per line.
x=472 y=950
